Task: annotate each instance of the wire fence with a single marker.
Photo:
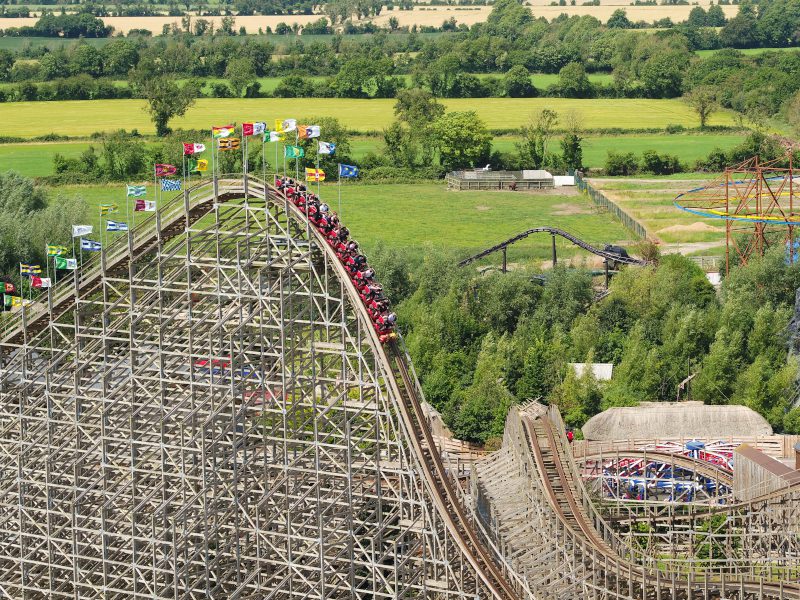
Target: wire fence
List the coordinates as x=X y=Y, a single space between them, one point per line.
x=599 y=199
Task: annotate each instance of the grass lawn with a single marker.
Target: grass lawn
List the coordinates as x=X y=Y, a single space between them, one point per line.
x=745 y=51
x=413 y=216
x=81 y=117
x=650 y=201
x=35 y=159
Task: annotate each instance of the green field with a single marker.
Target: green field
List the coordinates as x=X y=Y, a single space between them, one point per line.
x=542 y=81
x=82 y=117
x=650 y=201
x=413 y=216
x=746 y=51
x=35 y=159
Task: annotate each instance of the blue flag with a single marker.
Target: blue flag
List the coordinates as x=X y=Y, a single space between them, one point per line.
x=348 y=171
x=90 y=245
x=116 y=226
x=170 y=185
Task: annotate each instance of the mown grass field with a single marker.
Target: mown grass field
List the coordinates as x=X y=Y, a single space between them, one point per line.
x=35 y=159
x=745 y=51
x=415 y=216
x=268 y=84
x=82 y=117
x=650 y=201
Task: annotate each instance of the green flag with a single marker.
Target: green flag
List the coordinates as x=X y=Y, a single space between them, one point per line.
x=66 y=263
x=293 y=152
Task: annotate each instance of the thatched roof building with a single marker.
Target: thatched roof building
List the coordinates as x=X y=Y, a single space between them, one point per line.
x=664 y=420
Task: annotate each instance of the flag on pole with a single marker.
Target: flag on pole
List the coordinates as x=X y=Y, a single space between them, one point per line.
x=228 y=144
x=41 y=282
x=348 y=171
x=116 y=226
x=221 y=131
x=189 y=149
x=25 y=269
x=136 y=191
x=198 y=165
x=90 y=245
x=306 y=132
x=56 y=250
x=288 y=125
x=165 y=170
x=80 y=230
x=315 y=174
x=11 y=301
x=294 y=152
x=108 y=208
x=276 y=136
x=66 y=263
x=9 y=288
x=327 y=148
x=145 y=205
x=253 y=128
x=170 y=185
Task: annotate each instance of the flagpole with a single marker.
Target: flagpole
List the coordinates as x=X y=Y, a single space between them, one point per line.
x=264 y=154
x=339 y=178
x=46 y=262
x=297 y=158
x=55 y=270
x=318 y=182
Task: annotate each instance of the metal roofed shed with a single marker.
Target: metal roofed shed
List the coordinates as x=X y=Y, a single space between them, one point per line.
x=480 y=179
x=664 y=420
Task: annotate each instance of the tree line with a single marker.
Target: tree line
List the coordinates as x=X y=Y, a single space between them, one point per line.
x=481 y=343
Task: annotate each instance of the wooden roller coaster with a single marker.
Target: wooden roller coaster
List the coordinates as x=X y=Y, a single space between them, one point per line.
x=305 y=468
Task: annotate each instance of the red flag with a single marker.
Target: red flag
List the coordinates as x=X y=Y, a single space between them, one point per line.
x=165 y=170
x=10 y=288
x=36 y=281
x=189 y=149
x=247 y=129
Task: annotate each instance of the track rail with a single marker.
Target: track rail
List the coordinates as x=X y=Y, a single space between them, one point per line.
x=564 y=495
x=628 y=260
x=700 y=467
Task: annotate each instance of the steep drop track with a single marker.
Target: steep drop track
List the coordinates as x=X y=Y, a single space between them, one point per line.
x=172 y=219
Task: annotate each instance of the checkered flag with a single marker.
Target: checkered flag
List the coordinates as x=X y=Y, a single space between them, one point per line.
x=170 y=185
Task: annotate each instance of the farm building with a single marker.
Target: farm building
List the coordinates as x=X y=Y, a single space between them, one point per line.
x=670 y=420
x=480 y=179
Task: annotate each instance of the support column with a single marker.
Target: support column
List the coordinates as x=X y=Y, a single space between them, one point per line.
x=505 y=259
x=553 y=240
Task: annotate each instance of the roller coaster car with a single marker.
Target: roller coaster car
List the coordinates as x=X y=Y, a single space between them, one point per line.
x=388 y=336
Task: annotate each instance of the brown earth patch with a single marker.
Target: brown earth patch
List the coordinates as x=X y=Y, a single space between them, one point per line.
x=567 y=209
x=693 y=228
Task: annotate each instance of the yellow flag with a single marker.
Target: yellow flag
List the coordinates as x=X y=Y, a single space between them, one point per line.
x=279 y=125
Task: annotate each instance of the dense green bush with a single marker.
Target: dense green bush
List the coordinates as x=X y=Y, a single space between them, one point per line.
x=483 y=342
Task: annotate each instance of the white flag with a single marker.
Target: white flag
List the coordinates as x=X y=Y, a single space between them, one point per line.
x=289 y=124
x=198 y=148
x=327 y=147
x=79 y=230
x=259 y=127
x=72 y=263
x=275 y=136
x=45 y=282
x=312 y=131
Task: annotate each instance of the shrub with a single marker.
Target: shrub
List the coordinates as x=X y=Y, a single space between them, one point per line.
x=621 y=164
x=660 y=164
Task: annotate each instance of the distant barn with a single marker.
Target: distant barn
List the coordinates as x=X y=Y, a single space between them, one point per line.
x=480 y=179
x=664 y=420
